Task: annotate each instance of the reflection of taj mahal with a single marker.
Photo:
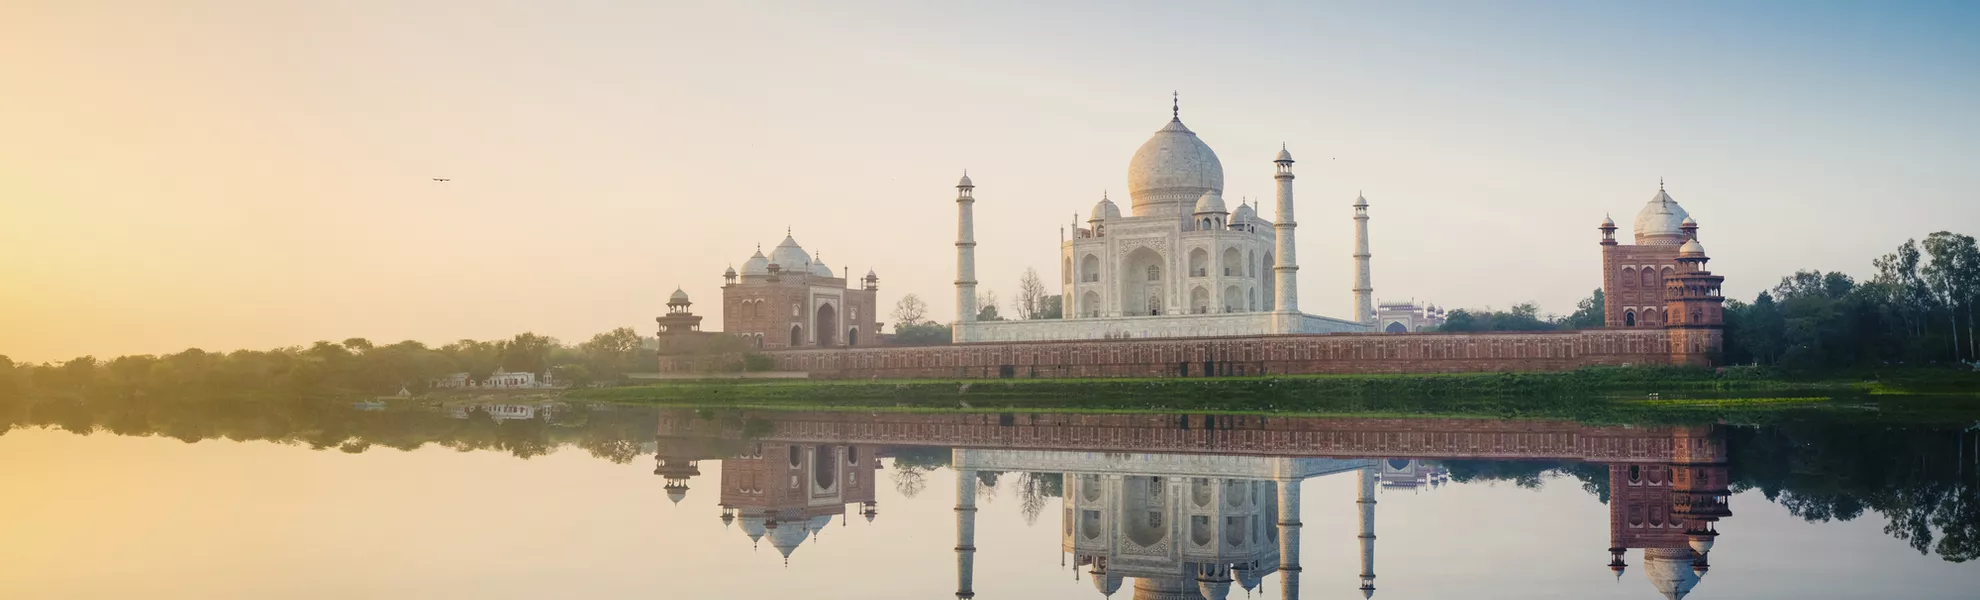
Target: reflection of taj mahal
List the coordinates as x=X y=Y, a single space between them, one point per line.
x=1187 y=523
x=1180 y=526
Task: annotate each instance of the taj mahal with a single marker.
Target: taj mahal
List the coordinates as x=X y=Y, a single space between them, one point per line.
x=1182 y=264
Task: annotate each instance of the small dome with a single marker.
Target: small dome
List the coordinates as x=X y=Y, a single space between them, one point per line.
x=870 y=276
x=1106 y=583
x=1701 y=544
x=677 y=494
x=1691 y=248
x=1283 y=156
x=821 y=270
x=1210 y=202
x=1689 y=222
x=1214 y=590
x=1608 y=222
x=679 y=297
x=754 y=527
x=756 y=265
x=1244 y=213
x=1360 y=200
x=789 y=256
x=1105 y=209
x=1661 y=222
x=965 y=181
x=729 y=272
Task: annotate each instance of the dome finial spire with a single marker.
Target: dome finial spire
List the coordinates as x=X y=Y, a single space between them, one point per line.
x=1175 y=105
x=1660 y=183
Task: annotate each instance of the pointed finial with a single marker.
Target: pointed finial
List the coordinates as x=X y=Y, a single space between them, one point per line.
x=1175 y=106
x=787 y=231
x=1660 y=183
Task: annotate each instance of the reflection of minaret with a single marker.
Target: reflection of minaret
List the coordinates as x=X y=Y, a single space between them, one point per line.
x=965 y=533
x=1367 y=505
x=1289 y=539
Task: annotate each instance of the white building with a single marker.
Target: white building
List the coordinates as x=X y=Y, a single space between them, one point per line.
x=1183 y=264
x=1408 y=317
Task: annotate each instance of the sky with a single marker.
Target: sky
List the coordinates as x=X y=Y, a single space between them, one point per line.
x=257 y=173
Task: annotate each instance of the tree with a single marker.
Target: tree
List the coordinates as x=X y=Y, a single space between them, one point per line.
x=1952 y=275
x=527 y=353
x=611 y=353
x=357 y=344
x=986 y=306
x=1587 y=313
x=1031 y=295
x=909 y=311
x=1054 y=307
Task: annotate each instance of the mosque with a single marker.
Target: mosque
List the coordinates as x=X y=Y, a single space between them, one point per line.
x=1181 y=264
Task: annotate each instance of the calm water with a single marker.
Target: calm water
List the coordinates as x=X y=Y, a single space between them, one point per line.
x=298 y=501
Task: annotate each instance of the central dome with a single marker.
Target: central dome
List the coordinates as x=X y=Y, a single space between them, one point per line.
x=1661 y=222
x=1171 y=170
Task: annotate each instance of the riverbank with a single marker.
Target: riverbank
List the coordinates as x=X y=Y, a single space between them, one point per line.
x=1602 y=394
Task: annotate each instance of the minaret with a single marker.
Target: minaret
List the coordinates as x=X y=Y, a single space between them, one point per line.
x=1367 y=505
x=1285 y=273
x=965 y=532
x=1364 y=290
x=965 y=258
x=1288 y=535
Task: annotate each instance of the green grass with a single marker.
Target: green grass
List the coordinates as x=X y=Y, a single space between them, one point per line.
x=1609 y=395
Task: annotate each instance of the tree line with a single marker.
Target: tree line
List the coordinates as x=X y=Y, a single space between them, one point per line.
x=353 y=365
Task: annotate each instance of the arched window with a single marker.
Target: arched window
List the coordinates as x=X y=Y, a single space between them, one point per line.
x=795 y=457
x=1629 y=318
x=1649 y=276
x=1089 y=268
x=1628 y=277
x=1154 y=273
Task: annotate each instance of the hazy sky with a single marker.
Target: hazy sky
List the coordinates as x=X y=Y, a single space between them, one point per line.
x=255 y=173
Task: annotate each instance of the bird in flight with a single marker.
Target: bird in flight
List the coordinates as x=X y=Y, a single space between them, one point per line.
x=442 y=179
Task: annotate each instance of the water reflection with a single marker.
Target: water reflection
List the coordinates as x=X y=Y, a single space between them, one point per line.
x=1220 y=507
x=1202 y=506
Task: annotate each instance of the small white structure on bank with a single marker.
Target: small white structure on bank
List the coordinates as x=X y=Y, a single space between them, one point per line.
x=1184 y=264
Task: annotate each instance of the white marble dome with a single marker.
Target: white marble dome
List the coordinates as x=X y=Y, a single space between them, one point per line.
x=1210 y=202
x=1171 y=170
x=789 y=256
x=757 y=265
x=1661 y=222
x=1105 y=209
x=1244 y=214
x=1691 y=248
x=1669 y=570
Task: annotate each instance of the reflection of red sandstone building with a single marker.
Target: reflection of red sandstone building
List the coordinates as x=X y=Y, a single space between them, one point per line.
x=784 y=491
x=1670 y=511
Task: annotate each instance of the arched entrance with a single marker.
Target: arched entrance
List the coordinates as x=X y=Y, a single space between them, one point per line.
x=852 y=337
x=1144 y=282
x=797 y=335
x=1396 y=327
x=827 y=324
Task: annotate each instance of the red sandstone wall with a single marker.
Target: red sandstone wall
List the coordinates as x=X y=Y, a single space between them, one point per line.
x=1227 y=434
x=1296 y=354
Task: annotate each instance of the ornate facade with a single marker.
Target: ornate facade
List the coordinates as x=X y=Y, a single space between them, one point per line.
x=1183 y=264
x=788 y=300
x=1661 y=282
x=1408 y=317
